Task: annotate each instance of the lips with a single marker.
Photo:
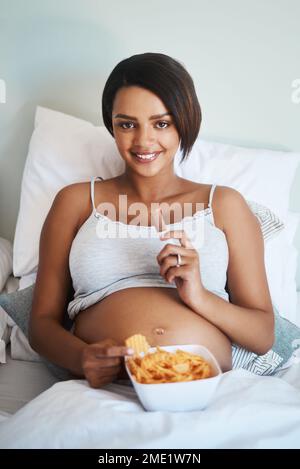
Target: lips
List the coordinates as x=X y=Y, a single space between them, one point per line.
x=145 y=157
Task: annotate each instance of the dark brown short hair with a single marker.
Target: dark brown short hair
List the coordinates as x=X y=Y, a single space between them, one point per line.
x=169 y=80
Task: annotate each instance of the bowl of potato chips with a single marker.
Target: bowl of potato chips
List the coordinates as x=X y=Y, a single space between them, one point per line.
x=173 y=378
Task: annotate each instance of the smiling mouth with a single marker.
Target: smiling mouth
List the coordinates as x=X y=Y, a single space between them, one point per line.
x=146 y=157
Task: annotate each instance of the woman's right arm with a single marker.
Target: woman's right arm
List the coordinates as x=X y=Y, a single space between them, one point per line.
x=54 y=286
x=99 y=363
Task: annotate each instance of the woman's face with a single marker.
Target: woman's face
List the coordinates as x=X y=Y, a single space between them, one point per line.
x=146 y=143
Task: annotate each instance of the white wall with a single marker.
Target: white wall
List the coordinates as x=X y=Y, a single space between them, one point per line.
x=243 y=56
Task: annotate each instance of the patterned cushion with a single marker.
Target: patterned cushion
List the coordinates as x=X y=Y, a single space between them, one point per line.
x=18 y=306
x=269 y=222
x=285 y=350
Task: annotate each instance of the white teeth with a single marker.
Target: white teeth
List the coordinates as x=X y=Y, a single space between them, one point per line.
x=146 y=157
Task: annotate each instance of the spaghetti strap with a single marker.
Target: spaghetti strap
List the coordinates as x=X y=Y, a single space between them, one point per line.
x=212 y=190
x=93 y=179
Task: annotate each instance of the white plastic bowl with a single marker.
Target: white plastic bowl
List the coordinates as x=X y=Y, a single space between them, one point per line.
x=182 y=396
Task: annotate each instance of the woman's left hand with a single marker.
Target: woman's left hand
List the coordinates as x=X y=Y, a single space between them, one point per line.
x=187 y=276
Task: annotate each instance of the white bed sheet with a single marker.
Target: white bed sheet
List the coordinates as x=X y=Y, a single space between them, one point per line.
x=247 y=411
x=11 y=285
x=21 y=381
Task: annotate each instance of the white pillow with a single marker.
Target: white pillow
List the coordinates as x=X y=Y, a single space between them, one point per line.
x=264 y=176
x=291 y=263
x=6 y=261
x=281 y=267
x=64 y=149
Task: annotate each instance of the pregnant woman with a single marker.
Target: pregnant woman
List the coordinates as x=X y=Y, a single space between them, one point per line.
x=109 y=260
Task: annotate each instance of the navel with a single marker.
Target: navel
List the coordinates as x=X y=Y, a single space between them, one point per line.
x=159 y=331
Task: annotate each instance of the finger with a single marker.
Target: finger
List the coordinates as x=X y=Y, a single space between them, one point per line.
x=94 y=355
x=171 y=249
x=174 y=272
x=97 y=383
x=119 y=351
x=109 y=375
x=99 y=374
x=178 y=234
x=109 y=372
x=107 y=342
x=113 y=351
x=106 y=362
x=159 y=221
x=98 y=366
x=170 y=261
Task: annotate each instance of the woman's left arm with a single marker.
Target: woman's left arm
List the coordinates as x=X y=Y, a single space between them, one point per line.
x=248 y=318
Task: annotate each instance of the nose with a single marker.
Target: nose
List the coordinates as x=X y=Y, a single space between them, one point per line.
x=144 y=136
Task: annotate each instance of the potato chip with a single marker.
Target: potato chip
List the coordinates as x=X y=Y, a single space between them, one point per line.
x=162 y=366
x=138 y=343
x=181 y=367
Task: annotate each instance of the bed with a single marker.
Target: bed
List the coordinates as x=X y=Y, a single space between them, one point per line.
x=247 y=411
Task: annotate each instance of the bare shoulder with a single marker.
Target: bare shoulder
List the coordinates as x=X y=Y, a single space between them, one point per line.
x=223 y=198
x=228 y=193
x=232 y=209
x=77 y=196
x=73 y=192
x=69 y=206
x=74 y=201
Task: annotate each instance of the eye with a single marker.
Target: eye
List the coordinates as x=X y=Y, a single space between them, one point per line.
x=127 y=125
x=164 y=123
x=123 y=124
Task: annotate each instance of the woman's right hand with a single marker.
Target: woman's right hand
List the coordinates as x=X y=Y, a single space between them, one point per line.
x=101 y=362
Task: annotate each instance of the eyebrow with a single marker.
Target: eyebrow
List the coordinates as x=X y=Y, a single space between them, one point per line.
x=157 y=116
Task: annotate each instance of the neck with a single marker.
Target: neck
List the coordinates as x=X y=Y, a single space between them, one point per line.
x=150 y=188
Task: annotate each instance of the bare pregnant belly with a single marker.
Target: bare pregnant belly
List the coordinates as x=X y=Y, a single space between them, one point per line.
x=156 y=313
